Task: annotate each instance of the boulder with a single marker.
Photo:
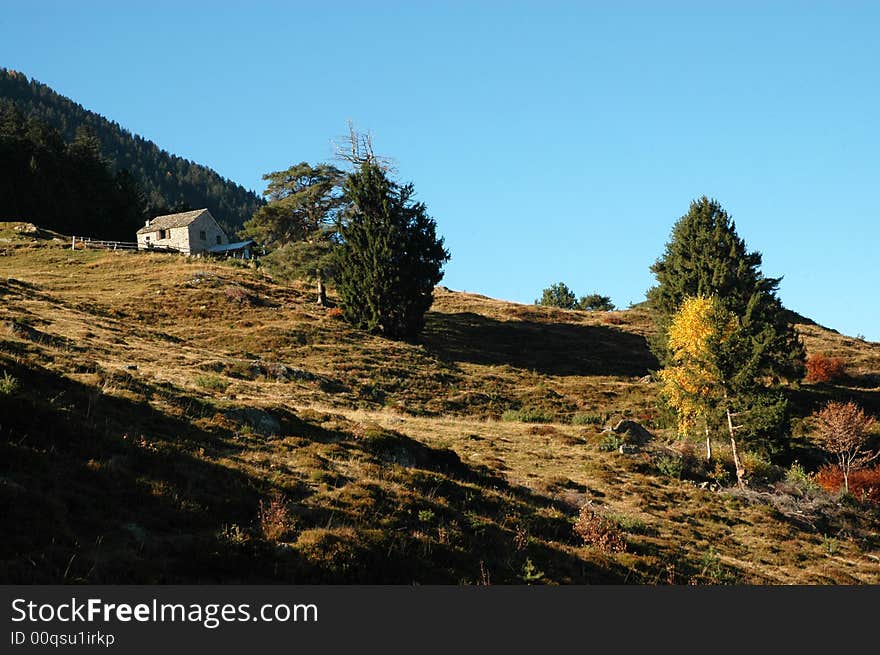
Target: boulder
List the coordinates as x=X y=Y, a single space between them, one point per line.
x=258 y=420
x=636 y=433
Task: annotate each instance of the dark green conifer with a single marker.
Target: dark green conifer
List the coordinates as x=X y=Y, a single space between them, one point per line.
x=299 y=222
x=705 y=256
x=390 y=257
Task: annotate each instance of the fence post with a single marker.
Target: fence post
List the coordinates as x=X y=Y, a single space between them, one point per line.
x=73 y=244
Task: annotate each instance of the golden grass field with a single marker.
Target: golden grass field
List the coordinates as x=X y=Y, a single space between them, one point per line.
x=160 y=401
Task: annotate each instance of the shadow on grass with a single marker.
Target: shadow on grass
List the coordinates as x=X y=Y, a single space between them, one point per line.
x=115 y=491
x=546 y=348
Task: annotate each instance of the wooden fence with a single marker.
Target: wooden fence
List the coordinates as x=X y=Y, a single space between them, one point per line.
x=102 y=244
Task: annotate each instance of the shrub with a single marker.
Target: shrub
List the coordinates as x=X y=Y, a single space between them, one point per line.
x=587 y=419
x=599 y=531
x=822 y=368
x=333 y=312
x=612 y=319
x=671 y=465
x=720 y=474
x=611 y=442
x=530 y=572
x=527 y=415
x=275 y=520
x=212 y=382
x=760 y=468
x=238 y=295
x=8 y=384
x=796 y=476
x=864 y=484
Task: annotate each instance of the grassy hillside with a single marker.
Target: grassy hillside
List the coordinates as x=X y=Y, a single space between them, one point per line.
x=162 y=406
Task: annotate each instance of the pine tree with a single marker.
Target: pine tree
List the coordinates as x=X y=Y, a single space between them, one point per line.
x=558 y=295
x=595 y=302
x=299 y=222
x=706 y=256
x=390 y=257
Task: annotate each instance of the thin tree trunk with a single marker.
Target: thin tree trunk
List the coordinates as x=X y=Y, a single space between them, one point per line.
x=708 y=446
x=740 y=471
x=322 y=293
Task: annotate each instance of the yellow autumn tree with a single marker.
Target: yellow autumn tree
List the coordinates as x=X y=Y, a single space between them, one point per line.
x=695 y=383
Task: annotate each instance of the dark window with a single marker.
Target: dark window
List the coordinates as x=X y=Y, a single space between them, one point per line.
x=202 y=235
x=219 y=240
x=163 y=234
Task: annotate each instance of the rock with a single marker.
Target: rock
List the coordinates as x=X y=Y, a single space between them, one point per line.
x=635 y=432
x=300 y=374
x=627 y=449
x=645 y=379
x=258 y=420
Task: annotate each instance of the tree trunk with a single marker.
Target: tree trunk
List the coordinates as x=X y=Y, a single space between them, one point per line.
x=708 y=446
x=322 y=293
x=740 y=470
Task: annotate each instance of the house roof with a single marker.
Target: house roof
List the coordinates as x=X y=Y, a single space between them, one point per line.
x=232 y=246
x=172 y=220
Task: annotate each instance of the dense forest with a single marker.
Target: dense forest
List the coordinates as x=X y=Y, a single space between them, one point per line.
x=63 y=186
x=167 y=182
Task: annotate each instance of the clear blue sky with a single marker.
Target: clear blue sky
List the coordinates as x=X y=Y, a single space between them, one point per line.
x=551 y=141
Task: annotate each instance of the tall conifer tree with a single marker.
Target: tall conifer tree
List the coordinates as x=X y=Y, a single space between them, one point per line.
x=390 y=258
x=706 y=257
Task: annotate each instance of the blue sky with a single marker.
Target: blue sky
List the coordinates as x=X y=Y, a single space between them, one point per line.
x=551 y=141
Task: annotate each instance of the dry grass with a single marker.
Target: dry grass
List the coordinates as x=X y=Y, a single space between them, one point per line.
x=129 y=448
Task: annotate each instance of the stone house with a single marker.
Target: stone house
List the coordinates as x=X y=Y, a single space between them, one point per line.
x=190 y=233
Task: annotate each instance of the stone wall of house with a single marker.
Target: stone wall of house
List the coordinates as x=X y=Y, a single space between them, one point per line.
x=205 y=233
x=175 y=237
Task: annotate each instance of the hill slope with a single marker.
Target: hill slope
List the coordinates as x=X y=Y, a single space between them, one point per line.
x=160 y=402
x=168 y=182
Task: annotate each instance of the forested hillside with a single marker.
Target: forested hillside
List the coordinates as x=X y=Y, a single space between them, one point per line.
x=168 y=182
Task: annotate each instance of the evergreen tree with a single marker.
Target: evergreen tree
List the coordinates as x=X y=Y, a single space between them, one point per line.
x=706 y=257
x=595 y=302
x=299 y=222
x=69 y=188
x=168 y=182
x=558 y=295
x=390 y=257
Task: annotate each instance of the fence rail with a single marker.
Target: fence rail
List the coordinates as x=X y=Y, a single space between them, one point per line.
x=103 y=244
x=86 y=242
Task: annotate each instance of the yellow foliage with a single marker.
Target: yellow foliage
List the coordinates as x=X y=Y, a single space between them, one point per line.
x=692 y=380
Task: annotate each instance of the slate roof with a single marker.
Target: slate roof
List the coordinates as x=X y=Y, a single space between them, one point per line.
x=171 y=220
x=232 y=246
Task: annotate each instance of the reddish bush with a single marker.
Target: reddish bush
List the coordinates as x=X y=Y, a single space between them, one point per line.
x=333 y=312
x=864 y=484
x=599 y=531
x=822 y=368
x=612 y=319
x=275 y=520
